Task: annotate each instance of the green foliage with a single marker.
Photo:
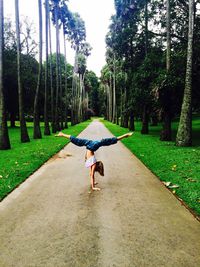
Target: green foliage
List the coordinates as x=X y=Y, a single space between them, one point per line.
x=29 y=71
x=92 y=86
x=23 y=159
x=173 y=164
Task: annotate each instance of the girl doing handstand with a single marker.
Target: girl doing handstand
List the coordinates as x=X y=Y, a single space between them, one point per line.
x=91 y=147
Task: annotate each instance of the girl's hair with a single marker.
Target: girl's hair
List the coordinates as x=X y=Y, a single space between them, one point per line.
x=99 y=168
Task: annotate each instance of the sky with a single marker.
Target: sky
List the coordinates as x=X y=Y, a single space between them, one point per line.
x=95 y=13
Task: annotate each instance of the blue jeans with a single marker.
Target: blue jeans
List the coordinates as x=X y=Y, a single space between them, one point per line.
x=93 y=145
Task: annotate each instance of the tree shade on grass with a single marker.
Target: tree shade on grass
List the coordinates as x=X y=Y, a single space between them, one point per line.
x=178 y=165
x=23 y=159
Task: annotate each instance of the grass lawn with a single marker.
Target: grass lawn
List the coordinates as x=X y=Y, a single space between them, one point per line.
x=22 y=160
x=180 y=166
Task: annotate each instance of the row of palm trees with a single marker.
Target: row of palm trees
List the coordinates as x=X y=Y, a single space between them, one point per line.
x=160 y=95
x=73 y=29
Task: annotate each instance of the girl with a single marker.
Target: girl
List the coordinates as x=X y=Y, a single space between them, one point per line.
x=91 y=147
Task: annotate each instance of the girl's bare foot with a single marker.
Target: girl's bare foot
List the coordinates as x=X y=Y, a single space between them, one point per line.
x=59 y=134
x=129 y=134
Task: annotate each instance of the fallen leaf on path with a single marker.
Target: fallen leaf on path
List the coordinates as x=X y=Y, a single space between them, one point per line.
x=191 y=180
x=167 y=183
x=173 y=186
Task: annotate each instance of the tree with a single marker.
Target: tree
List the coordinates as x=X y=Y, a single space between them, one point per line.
x=184 y=134
x=24 y=132
x=166 y=99
x=55 y=8
x=53 y=126
x=37 y=131
x=46 y=121
x=4 y=138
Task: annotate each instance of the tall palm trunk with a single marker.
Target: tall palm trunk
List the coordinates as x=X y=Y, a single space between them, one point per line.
x=4 y=138
x=61 y=106
x=132 y=124
x=184 y=134
x=66 y=95
x=165 y=134
x=57 y=70
x=46 y=120
x=111 y=98
x=114 y=92
x=23 y=128
x=74 y=91
x=145 y=119
x=37 y=131
x=53 y=126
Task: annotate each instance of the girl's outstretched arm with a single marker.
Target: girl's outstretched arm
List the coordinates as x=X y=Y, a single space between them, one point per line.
x=60 y=134
x=124 y=136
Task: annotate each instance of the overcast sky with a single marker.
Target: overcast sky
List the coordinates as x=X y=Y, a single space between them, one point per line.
x=95 y=13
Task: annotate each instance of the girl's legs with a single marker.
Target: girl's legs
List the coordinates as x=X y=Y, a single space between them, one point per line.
x=124 y=136
x=74 y=140
x=79 y=141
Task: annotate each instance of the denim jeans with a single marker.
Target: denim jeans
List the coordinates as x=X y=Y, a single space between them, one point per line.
x=93 y=145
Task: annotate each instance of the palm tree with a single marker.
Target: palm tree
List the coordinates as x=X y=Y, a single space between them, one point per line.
x=37 y=132
x=65 y=18
x=66 y=93
x=114 y=90
x=24 y=132
x=184 y=134
x=46 y=122
x=165 y=134
x=145 y=116
x=51 y=83
x=4 y=138
x=55 y=10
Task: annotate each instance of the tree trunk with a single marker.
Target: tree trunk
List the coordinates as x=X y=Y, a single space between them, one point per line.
x=145 y=121
x=154 y=120
x=23 y=128
x=131 y=124
x=146 y=28
x=184 y=134
x=61 y=115
x=46 y=120
x=121 y=108
x=107 y=101
x=165 y=134
x=53 y=126
x=66 y=96
x=114 y=93
x=37 y=131
x=111 y=99
x=4 y=137
x=57 y=70
x=12 y=119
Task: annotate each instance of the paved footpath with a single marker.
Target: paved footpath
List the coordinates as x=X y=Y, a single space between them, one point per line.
x=52 y=220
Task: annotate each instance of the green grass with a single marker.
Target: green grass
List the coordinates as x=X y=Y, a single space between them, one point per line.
x=180 y=166
x=22 y=160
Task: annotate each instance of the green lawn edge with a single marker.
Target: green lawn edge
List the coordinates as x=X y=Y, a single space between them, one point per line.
x=23 y=159
x=178 y=165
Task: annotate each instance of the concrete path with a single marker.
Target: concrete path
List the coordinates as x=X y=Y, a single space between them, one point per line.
x=53 y=221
